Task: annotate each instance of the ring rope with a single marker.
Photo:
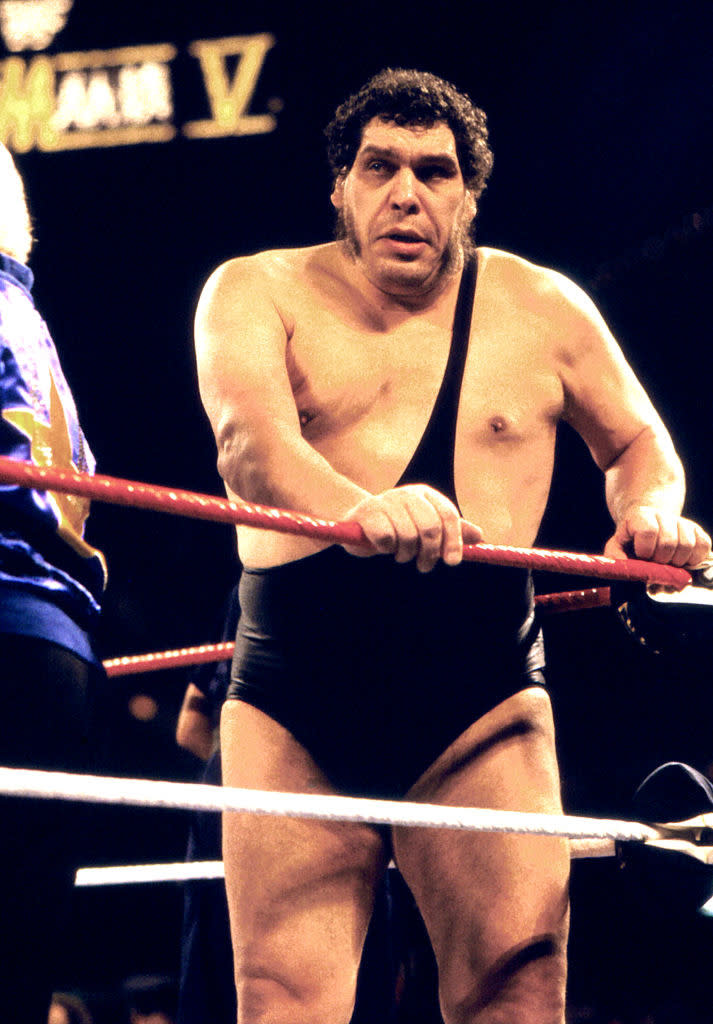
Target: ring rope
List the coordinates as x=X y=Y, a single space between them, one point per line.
x=123 y=874
x=202 y=506
x=574 y=600
x=199 y=870
x=133 y=664
x=30 y=782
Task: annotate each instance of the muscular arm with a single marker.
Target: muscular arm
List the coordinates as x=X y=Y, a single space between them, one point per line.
x=241 y=344
x=606 y=404
x=647 y=472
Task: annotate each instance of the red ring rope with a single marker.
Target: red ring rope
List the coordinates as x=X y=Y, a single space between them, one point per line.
x=135 y=664
x=574 y=600
x=203 y=506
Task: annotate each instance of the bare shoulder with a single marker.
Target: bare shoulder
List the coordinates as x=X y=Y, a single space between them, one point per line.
x=274 y=275
x=539 y=287
x=551 y=306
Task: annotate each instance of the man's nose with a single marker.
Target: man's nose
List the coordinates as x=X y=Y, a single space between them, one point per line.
x=404 y=191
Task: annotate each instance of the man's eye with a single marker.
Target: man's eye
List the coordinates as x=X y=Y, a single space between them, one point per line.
x=431 y=172
x=380 y=166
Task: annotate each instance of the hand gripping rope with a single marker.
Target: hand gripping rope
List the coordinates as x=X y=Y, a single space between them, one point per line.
x=202 y=506
x=684 y=836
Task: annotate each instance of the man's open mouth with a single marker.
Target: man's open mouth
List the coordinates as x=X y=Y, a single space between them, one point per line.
x=404 y=236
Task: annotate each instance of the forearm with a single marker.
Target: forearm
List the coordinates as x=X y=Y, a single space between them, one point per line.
x=282 y=470
x=194 y=730
x=648 y=473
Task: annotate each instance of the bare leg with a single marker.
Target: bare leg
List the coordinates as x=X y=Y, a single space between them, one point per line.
x=300 y=893
x=496 y=906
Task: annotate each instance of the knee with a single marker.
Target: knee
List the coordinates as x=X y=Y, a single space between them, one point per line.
x=265 y=998
x=526 y=985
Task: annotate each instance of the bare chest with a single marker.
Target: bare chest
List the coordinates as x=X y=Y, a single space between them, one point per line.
x=344 y=378
x=365 y=396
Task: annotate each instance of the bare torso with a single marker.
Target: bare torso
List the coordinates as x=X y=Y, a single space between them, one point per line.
x=364 y=387
x=319 y=369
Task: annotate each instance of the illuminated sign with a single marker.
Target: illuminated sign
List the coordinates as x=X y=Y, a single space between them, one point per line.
x=32 y=24
x=125 y=96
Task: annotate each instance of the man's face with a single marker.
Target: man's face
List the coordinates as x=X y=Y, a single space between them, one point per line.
x=403 y=206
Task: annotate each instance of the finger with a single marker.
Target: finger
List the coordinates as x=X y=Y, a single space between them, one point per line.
x=613 y=549
x=452 y=538
x=429 y=526
x=667 y=540
x=686 y=543
x=378 y=529
x=702 y=547
x=471 y=533
x=406 y=534
x=639 y=530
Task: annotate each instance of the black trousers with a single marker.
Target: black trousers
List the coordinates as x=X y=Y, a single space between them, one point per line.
x=45 y=722
x=207 y=989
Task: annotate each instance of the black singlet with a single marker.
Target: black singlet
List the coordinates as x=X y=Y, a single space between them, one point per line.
x=432 y=462
x=374 y=667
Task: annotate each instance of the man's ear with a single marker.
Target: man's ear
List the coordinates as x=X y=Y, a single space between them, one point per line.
x=337 y=196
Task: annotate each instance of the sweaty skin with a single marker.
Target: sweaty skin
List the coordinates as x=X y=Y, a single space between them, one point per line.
x=330 y=398
x=319 y=368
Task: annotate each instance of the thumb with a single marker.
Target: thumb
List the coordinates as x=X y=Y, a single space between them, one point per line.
x=614 y=548
x=472 y=534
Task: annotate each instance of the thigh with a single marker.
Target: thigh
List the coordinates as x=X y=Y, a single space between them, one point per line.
x=300 y=892
x=493 y=904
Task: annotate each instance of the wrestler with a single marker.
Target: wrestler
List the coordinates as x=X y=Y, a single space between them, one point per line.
x=404 y=379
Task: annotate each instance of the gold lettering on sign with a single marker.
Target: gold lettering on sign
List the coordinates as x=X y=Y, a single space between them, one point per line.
x=33 y=25
x=27 y=99
x=114 y=97
x=124 y=96
x=230 y=95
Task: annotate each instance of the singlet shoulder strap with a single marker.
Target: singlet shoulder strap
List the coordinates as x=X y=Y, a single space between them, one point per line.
x=432 y=462
x=463 y=315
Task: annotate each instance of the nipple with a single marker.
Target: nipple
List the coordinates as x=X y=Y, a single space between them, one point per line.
x=498 y=424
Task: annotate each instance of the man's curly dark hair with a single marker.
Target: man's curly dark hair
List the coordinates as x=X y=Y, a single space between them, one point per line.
x=409 y=97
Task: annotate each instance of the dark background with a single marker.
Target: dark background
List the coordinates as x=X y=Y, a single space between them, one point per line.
x=600 y=119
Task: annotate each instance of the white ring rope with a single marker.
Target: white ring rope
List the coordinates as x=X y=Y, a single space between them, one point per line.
x=123 y=874
x=29 y=782
x=198 y=870
x=214 y=870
